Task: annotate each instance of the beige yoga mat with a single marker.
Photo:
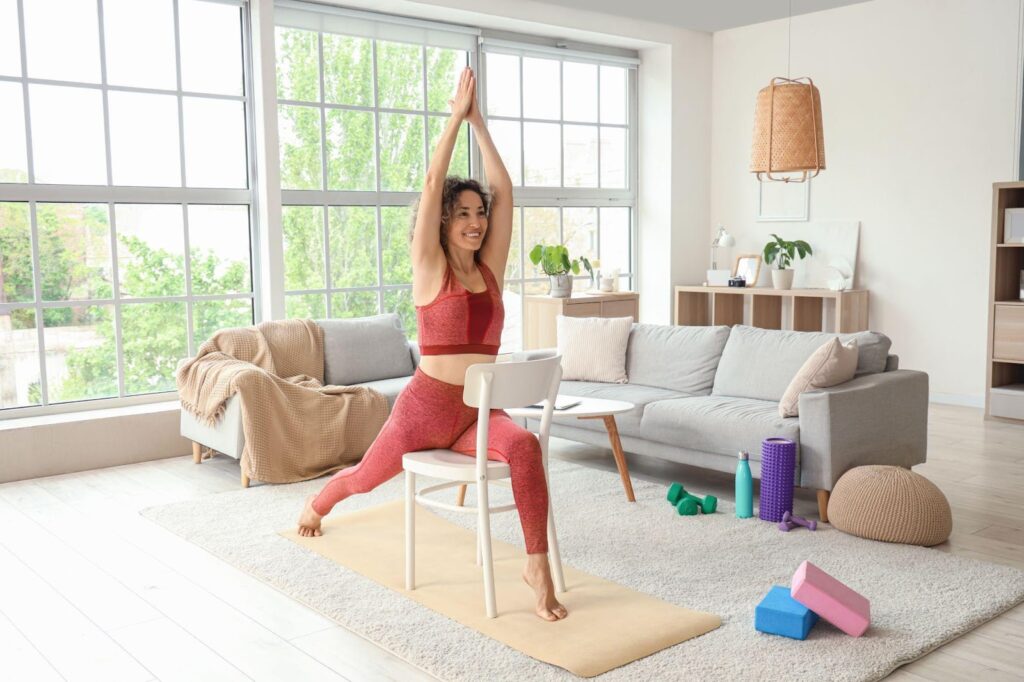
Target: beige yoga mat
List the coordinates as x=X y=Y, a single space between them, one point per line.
x=608 y=625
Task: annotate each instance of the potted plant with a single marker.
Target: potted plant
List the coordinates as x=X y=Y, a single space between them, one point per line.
x=554 y=261
x=782 y=254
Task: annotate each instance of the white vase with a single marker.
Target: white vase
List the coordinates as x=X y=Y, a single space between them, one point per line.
x=561 y=286
x=782 y=279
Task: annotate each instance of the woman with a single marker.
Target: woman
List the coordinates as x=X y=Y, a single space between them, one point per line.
x=459 y=251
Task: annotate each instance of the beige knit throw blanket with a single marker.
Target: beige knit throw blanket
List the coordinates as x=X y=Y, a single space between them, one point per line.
x=295 y=427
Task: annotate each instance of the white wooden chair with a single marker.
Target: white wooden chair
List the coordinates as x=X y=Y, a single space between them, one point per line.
x=488 y=386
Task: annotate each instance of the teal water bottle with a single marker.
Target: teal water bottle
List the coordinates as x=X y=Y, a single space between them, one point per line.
x=744 y=488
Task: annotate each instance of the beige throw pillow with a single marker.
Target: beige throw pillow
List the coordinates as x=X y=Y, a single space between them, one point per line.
x=832 y=364
x=594 y=348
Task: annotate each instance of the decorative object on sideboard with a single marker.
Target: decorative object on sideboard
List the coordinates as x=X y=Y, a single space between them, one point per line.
x=555 y=262
x=595 y=274
x=747 y=266
x=1013 y=230
x=719 y=277
x=613 y=280
x=782 y=253
x=843 y=274
x=788 y=133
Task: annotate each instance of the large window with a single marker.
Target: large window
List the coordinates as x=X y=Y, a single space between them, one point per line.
x=565 y=128
x=357 y=117
x=124 y=193
x=126 y=165
x=362 y=100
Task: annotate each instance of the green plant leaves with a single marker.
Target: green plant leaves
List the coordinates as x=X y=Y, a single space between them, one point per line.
x=784 y=251
x=554 y=260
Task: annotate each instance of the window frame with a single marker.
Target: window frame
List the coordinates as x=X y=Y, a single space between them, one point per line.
x=109 y=195
x=325 y=199
x=560 y=197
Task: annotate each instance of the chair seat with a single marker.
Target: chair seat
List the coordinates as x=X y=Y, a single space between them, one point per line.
x=451 y=465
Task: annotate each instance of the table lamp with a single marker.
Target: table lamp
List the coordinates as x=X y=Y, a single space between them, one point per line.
x=719 y=277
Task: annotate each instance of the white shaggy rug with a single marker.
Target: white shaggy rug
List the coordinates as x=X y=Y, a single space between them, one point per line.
x=920 y=598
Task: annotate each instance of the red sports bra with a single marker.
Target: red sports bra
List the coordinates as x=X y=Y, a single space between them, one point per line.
x=461 y=321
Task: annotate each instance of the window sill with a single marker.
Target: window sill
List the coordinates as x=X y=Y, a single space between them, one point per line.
x=171 y=404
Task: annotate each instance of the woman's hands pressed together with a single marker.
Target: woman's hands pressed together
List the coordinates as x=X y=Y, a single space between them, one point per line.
x=464 y=104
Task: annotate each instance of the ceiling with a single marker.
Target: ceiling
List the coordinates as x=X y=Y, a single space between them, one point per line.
x=704 y=15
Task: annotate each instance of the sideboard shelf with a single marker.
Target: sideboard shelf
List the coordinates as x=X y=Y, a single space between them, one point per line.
x=701 y=305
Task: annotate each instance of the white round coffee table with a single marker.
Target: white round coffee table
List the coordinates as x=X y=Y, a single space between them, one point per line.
x=591 y=408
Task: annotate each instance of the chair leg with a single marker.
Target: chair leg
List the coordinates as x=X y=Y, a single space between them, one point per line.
x=197 y=452
x=410 y=530
x=461 y=501
x=245 y=481
x=554 y=555
x=484 y=531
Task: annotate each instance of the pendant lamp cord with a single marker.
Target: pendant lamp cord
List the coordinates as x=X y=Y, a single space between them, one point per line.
x=789 y=41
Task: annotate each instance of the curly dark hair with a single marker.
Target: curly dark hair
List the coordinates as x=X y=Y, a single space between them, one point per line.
x=453 y=187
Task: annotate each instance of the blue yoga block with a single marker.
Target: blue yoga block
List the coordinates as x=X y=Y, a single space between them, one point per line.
x=780 y=614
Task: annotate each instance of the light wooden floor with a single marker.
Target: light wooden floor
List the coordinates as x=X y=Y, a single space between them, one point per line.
x=90 y=590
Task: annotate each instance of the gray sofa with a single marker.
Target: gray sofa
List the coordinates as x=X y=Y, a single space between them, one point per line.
x=701 y=394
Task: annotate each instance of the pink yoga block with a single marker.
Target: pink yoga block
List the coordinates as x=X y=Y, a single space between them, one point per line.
x=830 y=599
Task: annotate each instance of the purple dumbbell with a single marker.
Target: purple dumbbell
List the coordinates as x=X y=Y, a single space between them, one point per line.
x=788 y=517
x=786 y=526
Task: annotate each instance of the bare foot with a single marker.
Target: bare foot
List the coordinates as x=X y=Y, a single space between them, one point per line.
x=309 y=520
x=537 y=575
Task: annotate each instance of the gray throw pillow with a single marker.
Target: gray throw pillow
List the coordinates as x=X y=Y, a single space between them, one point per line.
x=364 y=349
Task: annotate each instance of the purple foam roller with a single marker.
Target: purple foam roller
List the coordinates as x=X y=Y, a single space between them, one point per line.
x=778 y=463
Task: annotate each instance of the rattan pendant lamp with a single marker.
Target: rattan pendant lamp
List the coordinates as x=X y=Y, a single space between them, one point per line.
x=788 y=135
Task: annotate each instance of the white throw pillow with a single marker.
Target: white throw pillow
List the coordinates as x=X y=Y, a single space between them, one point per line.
x=594 y=348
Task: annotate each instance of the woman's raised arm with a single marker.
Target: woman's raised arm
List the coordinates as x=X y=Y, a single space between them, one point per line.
x=426 y=236
x=494 y=252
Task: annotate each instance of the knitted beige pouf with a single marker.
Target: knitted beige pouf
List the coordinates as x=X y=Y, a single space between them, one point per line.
x=891 y=504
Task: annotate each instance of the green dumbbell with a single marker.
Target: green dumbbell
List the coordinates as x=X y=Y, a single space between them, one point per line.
x=684 y=503
x=677 y=496
x=708 y=505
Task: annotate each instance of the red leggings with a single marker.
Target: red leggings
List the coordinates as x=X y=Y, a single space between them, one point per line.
x=430 y=414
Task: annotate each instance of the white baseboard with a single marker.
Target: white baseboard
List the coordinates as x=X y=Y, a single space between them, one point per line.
x=957 y=399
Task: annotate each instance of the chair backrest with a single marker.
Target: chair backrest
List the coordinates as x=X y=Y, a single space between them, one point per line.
x=513 y=384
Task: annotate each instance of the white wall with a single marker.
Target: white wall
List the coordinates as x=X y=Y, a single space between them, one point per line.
x=919 y=103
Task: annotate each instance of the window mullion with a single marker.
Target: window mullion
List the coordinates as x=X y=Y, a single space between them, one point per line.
x=115 y=276
x=522 y=129
x=37 y=283
x=189 y=312
x=111 y=221
x=323 y=171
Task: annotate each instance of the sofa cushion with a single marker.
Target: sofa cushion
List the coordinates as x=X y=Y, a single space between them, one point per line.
x=389 y=387
x=639 y=395
x=680 y=359
x=760 y=363
x=717 y=424
x=364 y=349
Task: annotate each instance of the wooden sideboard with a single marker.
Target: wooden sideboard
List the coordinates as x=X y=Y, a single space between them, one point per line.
x=539 y=313
x=701 y=305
